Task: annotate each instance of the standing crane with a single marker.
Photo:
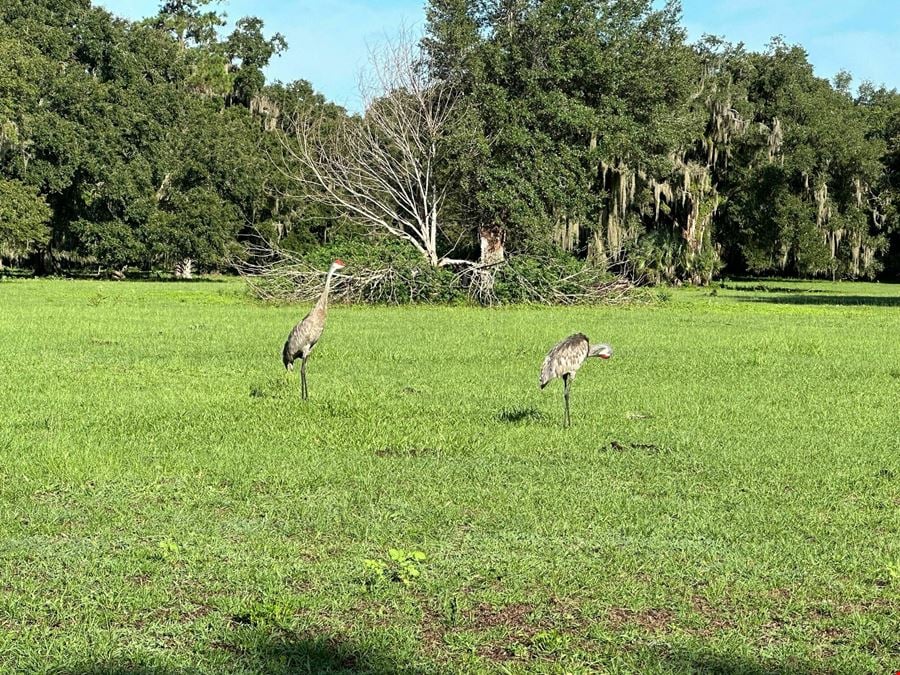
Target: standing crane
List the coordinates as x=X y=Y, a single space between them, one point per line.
x=566 y=358
x=306 y=334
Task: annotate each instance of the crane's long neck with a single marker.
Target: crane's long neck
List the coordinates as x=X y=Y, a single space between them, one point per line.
x=322 y=303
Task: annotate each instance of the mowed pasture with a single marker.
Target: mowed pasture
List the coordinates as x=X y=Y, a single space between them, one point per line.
x=726 y=500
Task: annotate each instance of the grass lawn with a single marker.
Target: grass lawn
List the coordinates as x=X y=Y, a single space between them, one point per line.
x=727 y=499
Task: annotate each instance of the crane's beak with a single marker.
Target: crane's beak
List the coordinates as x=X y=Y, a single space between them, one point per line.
x=290 y=367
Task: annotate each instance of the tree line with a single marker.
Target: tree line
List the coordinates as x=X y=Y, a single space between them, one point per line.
x=514 y=130
x=141 y=144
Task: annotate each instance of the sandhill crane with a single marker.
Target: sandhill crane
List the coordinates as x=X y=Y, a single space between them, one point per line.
x=566 y=358
x=306 y=334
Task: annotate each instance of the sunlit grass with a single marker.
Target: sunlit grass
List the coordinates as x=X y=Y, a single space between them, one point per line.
x=727 y=499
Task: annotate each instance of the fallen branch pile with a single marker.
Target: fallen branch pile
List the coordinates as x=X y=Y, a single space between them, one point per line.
x=274 y=274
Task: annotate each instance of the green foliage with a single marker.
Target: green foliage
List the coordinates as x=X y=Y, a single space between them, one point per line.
x=548 y=278
x=195 y=224
x=168 y=550
x=273 y=614
x=401 y=565
x=662 y=256
x=111 y=242
x=610 y=84
x=799 y=235
x=247 y=46
x=618 y=113
x=658 y=256
x=23 y=219
x=388 y=272
x=549 y=642
x=819 y=181
x=148 y=140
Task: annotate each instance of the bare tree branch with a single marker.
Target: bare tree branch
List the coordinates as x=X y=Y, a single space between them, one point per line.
x=381 y=169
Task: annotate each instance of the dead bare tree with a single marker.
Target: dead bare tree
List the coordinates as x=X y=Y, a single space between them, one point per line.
x=381 y=169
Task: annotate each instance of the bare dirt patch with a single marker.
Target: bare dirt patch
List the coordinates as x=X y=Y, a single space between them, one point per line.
x=139 y=579
x=499 y=653
x=651 y=619
x=832 y=634
x=781 y=593
x=515 y=616
x=525 y=627
x=716 y=618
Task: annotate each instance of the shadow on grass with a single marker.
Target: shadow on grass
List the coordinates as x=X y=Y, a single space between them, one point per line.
x=151 y=277
x=317 y=654
x=712 y=663
x=328 y=655
x=516 y=415
x=9 y=273
x=840 y=300
x=765 y=288
x=200 y=279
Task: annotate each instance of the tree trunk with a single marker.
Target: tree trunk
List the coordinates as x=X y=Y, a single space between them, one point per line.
x=184 y=269
x=492 y=252
x=492 y=240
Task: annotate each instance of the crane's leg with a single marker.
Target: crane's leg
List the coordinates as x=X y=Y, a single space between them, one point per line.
x=566 y=397
x=304 y=393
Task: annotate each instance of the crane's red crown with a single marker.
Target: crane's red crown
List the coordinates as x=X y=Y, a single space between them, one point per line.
x=339 y=262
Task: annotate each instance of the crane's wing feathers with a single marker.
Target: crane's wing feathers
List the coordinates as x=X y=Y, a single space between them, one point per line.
x=565 y=357
x=304 y=335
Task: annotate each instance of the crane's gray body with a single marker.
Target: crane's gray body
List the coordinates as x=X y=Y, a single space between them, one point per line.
x=304 y=336
x=566 y=358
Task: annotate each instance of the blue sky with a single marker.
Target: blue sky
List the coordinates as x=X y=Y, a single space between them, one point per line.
x=328 y=38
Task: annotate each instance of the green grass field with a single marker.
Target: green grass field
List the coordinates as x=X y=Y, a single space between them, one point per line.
x=727 y=499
